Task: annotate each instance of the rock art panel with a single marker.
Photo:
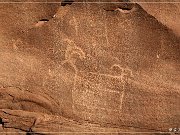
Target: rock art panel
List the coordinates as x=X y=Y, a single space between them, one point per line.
x=89 y=67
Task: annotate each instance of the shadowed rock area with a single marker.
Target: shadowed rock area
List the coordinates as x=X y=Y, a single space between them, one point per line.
x=81 y=67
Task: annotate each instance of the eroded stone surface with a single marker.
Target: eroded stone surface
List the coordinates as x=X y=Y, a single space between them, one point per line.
x=114 y=66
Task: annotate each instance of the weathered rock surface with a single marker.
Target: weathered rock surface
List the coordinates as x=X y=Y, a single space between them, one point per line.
x=167 y=13
x=88 y=67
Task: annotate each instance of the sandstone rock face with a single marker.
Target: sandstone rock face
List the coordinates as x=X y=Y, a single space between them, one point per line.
x=167 y=12
x=88 y=67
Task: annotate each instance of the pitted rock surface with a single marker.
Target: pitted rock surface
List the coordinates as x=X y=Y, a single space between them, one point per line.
x=89 y=67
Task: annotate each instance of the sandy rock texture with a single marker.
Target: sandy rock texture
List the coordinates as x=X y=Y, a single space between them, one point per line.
x=84 y=67
x=167 y=13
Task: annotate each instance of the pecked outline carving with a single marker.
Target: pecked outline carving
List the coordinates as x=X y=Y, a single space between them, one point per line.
x=71 y=50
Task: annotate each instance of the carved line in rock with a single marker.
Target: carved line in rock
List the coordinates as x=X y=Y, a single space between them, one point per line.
x=126 y=72
x=122 y=79
x=74 y=23
x=71 y=50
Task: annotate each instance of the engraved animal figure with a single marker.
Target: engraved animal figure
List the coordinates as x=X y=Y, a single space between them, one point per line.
x=72 y=53
x=124 y=74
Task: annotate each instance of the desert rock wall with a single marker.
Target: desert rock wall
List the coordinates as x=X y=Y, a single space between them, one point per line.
x=89 y=67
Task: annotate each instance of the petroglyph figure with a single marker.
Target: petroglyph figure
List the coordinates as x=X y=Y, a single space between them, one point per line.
x=124 y=74
x=72 y=49
x=73 y=53
x=121 y=74
x=74 y=23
